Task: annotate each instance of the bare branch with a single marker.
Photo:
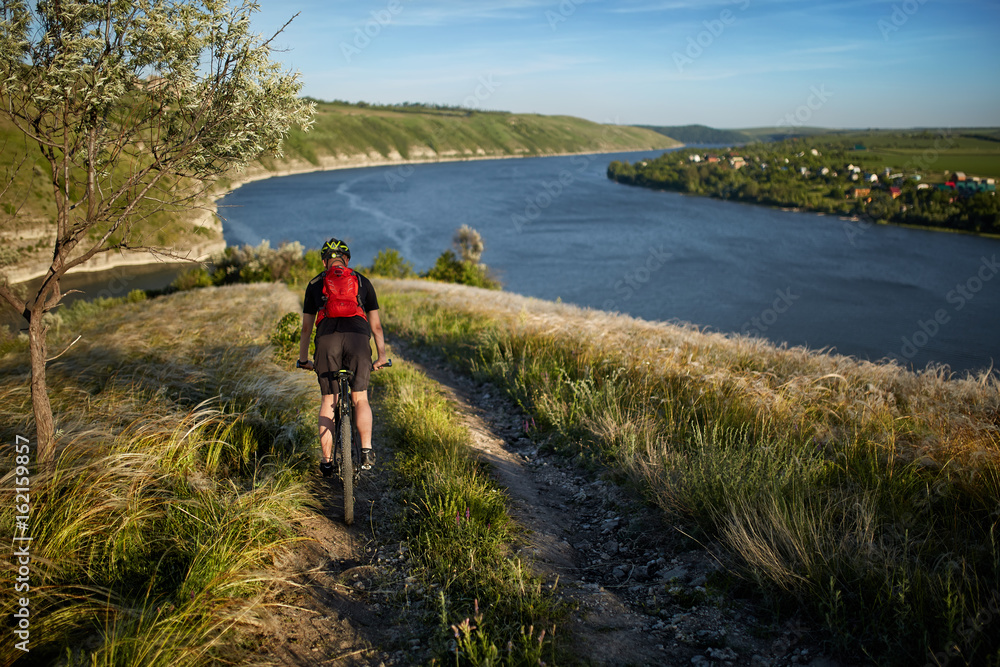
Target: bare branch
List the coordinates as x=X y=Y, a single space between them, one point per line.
x=75 y=341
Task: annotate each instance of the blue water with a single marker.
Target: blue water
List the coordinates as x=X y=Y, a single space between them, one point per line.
x=558 y=228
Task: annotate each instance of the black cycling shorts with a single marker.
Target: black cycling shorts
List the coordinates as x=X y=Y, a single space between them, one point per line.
x=343 y=350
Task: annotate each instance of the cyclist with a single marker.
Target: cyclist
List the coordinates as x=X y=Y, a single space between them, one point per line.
x=342 y=342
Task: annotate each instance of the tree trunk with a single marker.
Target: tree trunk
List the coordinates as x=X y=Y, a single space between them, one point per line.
x=44 y=423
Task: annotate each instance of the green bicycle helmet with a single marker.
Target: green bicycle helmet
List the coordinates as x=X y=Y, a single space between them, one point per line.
x=335 y=247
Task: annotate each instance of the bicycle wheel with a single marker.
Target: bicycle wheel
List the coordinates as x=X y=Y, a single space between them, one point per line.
x=347 y=462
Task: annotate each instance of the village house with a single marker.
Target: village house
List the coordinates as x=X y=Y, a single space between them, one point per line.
x=859 y=193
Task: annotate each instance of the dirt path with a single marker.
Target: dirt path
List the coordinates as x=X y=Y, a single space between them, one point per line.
x=323 y=616
x=643 y=593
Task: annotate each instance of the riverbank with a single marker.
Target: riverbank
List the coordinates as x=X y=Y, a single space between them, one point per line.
x=823 y=175
x=206 y=218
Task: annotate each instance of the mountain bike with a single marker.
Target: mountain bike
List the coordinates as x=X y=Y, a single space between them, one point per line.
x=347 y=445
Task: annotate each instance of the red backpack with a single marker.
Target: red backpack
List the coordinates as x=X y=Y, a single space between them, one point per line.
x=341 y=292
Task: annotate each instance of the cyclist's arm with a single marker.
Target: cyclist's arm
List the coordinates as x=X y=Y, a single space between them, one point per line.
x=307 y=325
x=376 y=325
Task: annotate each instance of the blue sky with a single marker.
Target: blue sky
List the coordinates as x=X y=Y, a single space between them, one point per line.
x=726 y=63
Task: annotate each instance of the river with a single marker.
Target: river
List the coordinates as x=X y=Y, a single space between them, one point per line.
x=557 y=228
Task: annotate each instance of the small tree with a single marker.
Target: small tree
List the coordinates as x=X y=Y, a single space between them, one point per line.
x=469 y=244
x=465 y=270
x=135 y=107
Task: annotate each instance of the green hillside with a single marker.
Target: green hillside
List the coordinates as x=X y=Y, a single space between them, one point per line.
x=701 y=134
x=417 y=132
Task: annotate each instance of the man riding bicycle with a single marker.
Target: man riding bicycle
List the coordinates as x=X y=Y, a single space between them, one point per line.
x=343 y=332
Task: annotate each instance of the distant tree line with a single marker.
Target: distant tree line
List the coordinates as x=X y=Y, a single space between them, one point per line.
x=418 y=107
x=700 y=134
x=789 y=174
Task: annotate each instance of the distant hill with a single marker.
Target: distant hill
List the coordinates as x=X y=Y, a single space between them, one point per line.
x=701 y=134
x=417 y=132
x=781 y=132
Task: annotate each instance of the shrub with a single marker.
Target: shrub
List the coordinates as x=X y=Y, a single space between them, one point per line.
x=390 y=264
x=9 y=256
x=192 y=279
x=262 y=264
x=450 y=269
x=286 y=335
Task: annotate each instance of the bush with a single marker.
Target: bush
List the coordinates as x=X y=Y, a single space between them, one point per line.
x=390 y=264
x=450 y=269
x=9 y=256
x=286 y=335
x=262 y=264
x=192 y=279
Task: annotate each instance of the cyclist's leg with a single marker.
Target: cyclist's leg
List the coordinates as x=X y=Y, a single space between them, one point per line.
x=358 y=357
x=329 y=350
x=327 y=405
x=363 y=417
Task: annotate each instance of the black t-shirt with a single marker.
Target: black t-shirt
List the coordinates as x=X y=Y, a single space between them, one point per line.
x=314 y=301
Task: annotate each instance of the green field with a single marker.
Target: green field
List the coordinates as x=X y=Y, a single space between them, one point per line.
x=935 y=153
x=939 y=164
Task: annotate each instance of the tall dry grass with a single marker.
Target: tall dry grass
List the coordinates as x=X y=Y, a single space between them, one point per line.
x=488 y=608
x=180 y=448
x=863 y=492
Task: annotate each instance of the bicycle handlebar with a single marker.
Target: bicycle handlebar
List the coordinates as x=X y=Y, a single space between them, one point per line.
x=388 y=364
